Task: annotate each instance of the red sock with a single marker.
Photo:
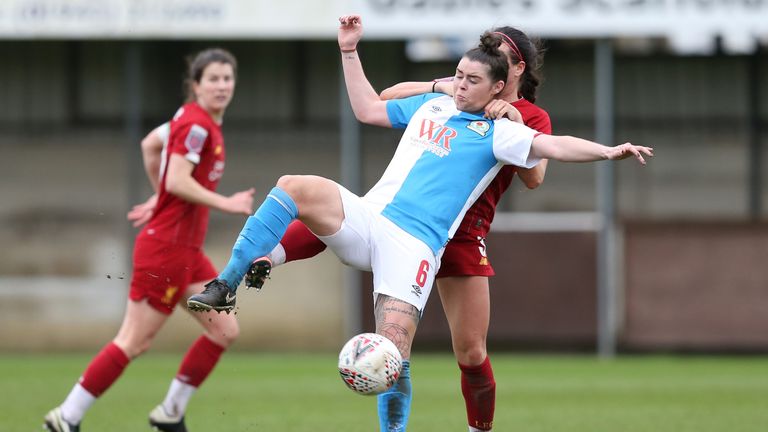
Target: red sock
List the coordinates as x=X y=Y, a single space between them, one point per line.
x=199 y=361
x=104 y=369
x=299 y=242
x=479 y=390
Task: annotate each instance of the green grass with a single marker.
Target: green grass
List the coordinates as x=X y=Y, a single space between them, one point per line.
x=302 y=392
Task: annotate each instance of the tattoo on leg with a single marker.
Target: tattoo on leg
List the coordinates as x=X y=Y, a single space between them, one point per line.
x=399 y=336
x=388 y=312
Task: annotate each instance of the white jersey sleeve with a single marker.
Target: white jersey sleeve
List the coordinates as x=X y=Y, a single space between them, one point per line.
x=164 y=132
x=512 y=144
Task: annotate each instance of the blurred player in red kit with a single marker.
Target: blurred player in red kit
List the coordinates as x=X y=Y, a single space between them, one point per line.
x=169 y=264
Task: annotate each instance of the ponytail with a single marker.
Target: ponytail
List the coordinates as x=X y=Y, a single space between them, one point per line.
x=523 y=48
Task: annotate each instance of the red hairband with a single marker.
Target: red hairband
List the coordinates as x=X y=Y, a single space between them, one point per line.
x=511 y=44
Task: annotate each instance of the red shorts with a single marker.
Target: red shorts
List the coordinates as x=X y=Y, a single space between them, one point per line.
x=465 y=255
x=163 y=271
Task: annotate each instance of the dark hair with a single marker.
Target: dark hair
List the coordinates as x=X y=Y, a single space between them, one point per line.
x=487 y=52
x=196 y=66
x=532 y=54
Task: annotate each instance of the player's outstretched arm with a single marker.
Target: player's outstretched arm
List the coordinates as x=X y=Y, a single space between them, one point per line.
x=573 y=149
x=413 y=88
x=406 y=89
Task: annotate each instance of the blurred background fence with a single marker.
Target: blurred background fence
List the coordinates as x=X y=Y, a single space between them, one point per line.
x=692 y=238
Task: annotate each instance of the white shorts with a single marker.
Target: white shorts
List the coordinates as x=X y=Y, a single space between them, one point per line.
x=403 y=266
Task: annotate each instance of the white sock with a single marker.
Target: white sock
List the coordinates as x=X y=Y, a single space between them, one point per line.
x=76 y=404
x=471 y=429
x=277 y=256
x=175 y=403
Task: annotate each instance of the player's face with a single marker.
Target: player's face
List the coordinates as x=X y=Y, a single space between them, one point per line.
x=216 y=87
x=473 y=87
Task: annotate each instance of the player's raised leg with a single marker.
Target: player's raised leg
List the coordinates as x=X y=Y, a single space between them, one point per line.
x=261 y=233
x=298 y=243
x=315 y=200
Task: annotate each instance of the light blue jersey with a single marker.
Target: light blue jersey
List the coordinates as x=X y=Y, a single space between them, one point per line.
x=444 y=161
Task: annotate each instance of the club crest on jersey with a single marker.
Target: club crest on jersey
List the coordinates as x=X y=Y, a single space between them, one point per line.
x=434 y=137
x=483 y=253
x=169 y=293
x=479 y=127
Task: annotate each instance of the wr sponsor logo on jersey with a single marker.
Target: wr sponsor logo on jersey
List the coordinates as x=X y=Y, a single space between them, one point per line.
x=416 y=290
x=434 y=138
x=436 y=109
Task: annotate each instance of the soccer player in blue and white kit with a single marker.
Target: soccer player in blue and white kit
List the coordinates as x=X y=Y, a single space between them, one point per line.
x=447 y=156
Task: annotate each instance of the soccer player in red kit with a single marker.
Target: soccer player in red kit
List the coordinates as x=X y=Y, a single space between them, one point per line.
x=168 y=261
x=462 y=280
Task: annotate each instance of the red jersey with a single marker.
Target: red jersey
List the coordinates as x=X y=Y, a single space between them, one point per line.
x=480 y=215
x=197 y=137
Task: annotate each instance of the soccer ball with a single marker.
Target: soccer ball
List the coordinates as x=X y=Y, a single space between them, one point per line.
x=369 y=364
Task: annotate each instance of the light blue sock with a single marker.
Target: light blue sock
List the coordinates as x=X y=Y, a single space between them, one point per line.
x=395 y=403
x=261 y=233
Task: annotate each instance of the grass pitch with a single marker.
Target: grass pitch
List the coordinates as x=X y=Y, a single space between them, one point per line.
x=302 y=392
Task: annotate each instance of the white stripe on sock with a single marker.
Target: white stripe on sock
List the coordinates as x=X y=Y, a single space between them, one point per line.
x=279 y=201
x=177 y=399
x=76 y=404
x=277 y=256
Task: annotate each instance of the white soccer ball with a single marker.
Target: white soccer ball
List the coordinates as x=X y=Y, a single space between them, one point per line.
x=369 y=364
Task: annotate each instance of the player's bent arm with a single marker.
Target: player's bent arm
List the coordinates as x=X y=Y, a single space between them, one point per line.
x=151 y=151
x=533 y=177
x=179 y=182
x=366 y=104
